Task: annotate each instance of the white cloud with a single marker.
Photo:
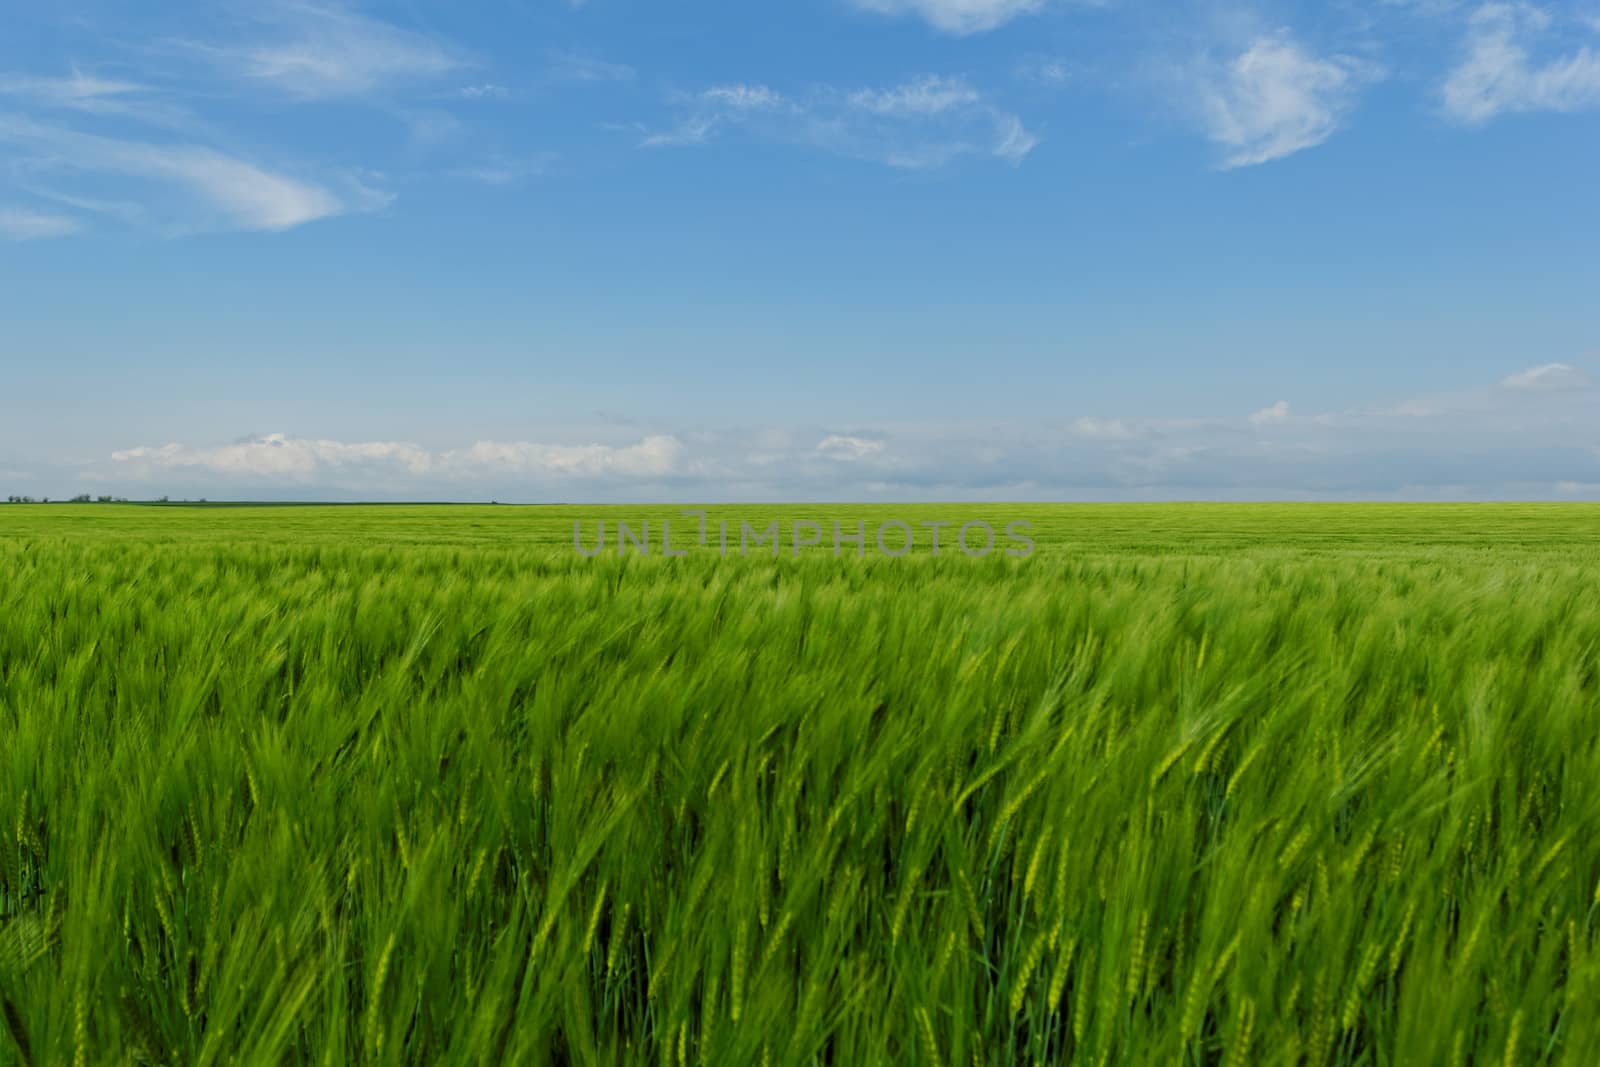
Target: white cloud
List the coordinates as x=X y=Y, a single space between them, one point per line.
x=921 y=123
x=845 y=447
x=80 y=90
x=1485 y=442
x=1015 y=141
x=582 y=68
x=1275 y=99
x=1548 y=376
x=483 y=91
x=654 y=456
x=743 y=97
x=275 y=455
x=238 y=193
x=321 y=52
x=930 y=95
x=718 y=106
x=505 y=172
x=21 y=224
x=99 y=97
x=1047 y=71
x=1094 y=429
x=279 y=458
x=251 y=197
x=1499 y=74
x=956 y=16
x=1411 y=409
x=1268 y=416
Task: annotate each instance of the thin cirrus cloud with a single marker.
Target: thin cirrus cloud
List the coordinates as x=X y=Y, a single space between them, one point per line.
x=22 y=224
x=1500 y=74
x=1548 y=377
x=233 y=192
x=960 y=17
x=922 y=123
x=78 y=90
x=582 y=68
x=1047 y=72
x=1275 y=98
x=136 y=150
x=312 y=53
x=82 y=96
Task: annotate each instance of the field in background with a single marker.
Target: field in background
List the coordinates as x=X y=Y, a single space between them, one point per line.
x=1191 y=784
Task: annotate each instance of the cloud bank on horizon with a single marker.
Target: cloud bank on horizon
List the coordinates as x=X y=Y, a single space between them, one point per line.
x=1514 y=438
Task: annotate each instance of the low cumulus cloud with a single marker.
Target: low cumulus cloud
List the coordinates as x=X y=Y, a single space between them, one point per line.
x=1533 y=433
x=280 y=458
x=277 y=456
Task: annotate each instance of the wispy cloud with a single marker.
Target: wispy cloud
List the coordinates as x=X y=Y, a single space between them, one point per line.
x=22 y=224
x=925 y=122
x=233 y=192
x=959 y=17
x=922 y=98
x=132 y=149
x=849 y=447
x=1550 y=376
x=92 y=95
x=1274 y=99
x=505 y=171
x=1271 y=415
x=314 y=52
x=560 y=68
x=1500 y=75
x=722 y=105
x=583 y=68
x=1091 y=428
x=78 y=90
x=482 y=91
x=1050 y=72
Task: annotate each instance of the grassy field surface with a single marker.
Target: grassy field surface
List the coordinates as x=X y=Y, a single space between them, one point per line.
x=1190 y=784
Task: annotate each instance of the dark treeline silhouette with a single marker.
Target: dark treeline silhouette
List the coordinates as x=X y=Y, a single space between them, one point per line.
x=82 y=498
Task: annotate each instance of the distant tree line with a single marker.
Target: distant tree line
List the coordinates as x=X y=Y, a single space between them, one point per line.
x=82 y=498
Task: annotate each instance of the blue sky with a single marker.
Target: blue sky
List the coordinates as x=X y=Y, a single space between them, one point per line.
x=823 y=249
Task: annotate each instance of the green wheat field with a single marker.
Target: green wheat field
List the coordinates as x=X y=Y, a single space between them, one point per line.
x=1191 y=784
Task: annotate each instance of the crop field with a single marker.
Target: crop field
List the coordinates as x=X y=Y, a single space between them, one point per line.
x=1188 y=784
